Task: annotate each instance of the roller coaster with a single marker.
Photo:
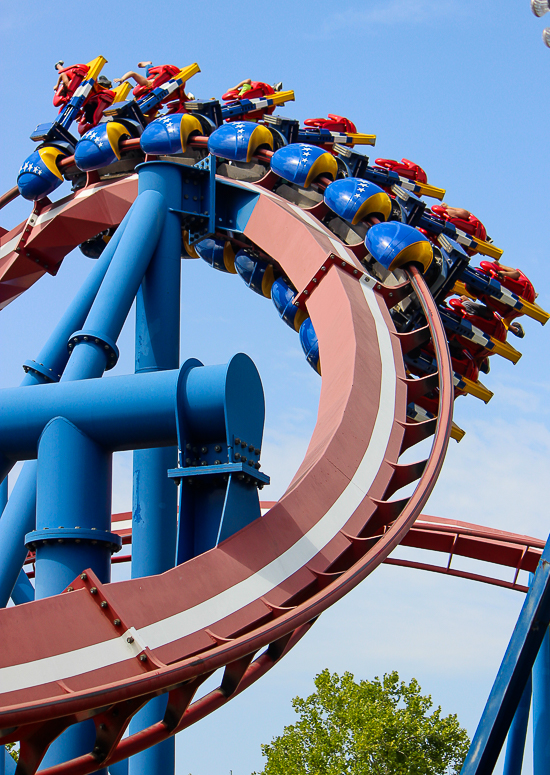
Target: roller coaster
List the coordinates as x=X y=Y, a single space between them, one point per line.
x=388 y=310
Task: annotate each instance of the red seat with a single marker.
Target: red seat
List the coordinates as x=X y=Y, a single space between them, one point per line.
x=333 y=123
x=93 y=109
x=76 y=74
x=405 y=168
x=159 y=75
x=472 y=226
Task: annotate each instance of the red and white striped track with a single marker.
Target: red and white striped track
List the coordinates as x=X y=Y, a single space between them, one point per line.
x=264 y=586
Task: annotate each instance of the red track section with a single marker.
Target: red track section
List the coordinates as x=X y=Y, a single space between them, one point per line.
x=451 y=538
x=264 y=586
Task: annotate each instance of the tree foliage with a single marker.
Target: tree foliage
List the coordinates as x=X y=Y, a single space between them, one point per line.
x=379 y=727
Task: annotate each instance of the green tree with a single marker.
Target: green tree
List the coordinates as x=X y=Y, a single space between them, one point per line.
x=379 y=727
x=13 y=751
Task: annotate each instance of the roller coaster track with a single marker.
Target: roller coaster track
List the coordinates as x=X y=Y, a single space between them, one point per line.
x=242 y=605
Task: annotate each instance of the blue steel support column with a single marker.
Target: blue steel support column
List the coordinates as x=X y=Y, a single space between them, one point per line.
x=519 y=659
x=90 y=358
x=73 y=492
x=515 y=746
x=541 y=709
x=19 y=517
x=154 y=524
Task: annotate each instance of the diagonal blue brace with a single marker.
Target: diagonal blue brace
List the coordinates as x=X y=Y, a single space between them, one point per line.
x=513 y=674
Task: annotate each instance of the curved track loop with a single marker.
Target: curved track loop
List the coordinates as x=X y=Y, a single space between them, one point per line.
x=264 y=586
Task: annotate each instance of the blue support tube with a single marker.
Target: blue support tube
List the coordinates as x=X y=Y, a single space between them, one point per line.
x=118 y=289
x=515 y=746
x=51 y=361
x=94 y=351
x=154 y=524
x=541 y=709
x=74 y=483
x=23 y=591
x=53 y=357
x=509 y=685
x=17 y=520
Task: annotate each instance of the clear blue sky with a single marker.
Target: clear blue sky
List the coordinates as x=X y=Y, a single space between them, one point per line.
x=458 y=86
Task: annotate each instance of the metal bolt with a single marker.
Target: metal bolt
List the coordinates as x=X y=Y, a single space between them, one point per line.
x=204 y=450
x=70 y=589
x=104 y=604
x=306 y=292
x=85 y=338
x=130 y=639
x=217 y=448
x=243 y=459
x=314 y=280
x=93 y=591
x=237 y=456
x=143 y=657
x=204 y=463
x=256 y=451
x=188 y=446
x=323 y=269
x=257 y=465
x=217 y=462
x=240 y=477
x=243 y=444
x=390 y=294
x=355 y=271
x=83 y=576
x=251 y=447
x=343 y=263
x=188 y=461
x=117 y=622
x=96 y=340
x=103 y=727
x=237 y=441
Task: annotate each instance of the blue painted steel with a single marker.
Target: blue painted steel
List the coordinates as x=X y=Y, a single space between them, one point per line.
x=197 y=198
x=515 y=745
x=3 y=495
x=294 y=162
x=17 y=520
x=73 y=495
x=310 y=344
x=53 y=357
x=234 y=206
x=154 y=524
x=258 y=275
x=118 y=289
x=49 y=366
x=513 y=674
x=119 y=768
x=221 y=423
x=132 y=411
x=8 y=763
x=387 y=242
x=541 y=709
x=283 y=297
x=23 y=591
